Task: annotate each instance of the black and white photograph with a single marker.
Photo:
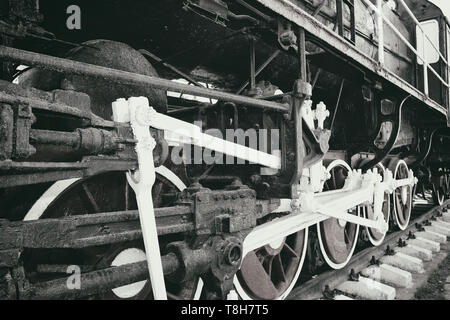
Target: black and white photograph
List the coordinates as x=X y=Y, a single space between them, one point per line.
x=225 y=153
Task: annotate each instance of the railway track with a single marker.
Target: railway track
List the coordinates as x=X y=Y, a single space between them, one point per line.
x=393 y=270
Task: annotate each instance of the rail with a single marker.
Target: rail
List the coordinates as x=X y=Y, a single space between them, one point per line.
x=381 y=18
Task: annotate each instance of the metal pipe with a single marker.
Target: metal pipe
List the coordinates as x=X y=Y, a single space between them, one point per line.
x=75 y=67
x=169 y=66
x=252 y=79
x=380 y=33
x=338 y=101
x=318 y=8
x=302 y=53
x=98 y=281
x=316 y=77
x=255 y=11
x=425 y=68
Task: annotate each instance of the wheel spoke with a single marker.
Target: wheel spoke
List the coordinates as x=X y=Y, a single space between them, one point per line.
x=290 y=251
x=398 y=203
x=156 y=193
x=333 y=176
x=398 y=197
x=279 y=268
x=127 y=196
x=346 y=236
x=87 y=193
x=267 y=264
x=256 y=277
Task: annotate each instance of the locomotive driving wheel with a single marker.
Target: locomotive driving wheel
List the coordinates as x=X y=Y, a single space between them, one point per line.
x=107 y=192
x=270 y=272
x=376 y=237
x=402 y=197
x=438 y=194
x=439 y=187
x=337 y=238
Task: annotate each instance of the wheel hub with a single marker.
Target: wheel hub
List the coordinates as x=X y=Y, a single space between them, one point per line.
x=342 y=223
x=277 y=244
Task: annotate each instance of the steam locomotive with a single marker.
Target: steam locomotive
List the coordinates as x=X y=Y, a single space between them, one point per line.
x=355 y=92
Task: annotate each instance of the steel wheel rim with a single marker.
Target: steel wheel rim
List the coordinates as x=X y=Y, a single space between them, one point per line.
x=253 y=282
x=59 y=189
x=402 y=209
x=337 y=243
x=447 y=185
x=376 y=237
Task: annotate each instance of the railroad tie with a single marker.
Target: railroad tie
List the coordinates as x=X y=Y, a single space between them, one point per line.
x=368 y=289
x=342 y=297
x=404 y=261
x=433 y=246
x=446 y=216
x=416 y=252
x=433 y=236
x=437 y=228
x=389 y=275
x=440 y=222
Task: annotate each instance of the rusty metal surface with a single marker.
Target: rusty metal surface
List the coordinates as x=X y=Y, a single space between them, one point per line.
x=86 y=230
x=95 y=282
x=43 y=105
x=24 y=173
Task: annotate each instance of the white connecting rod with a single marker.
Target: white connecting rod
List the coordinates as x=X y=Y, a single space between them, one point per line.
x=142 y=182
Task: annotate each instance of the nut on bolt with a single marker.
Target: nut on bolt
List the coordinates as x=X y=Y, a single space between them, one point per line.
x=419 y=227
x=329 y=294
x=401 y=243
x=389 y=251
x=411 y=236
x=233 y=253
x=353 y=275
x=374 y=261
